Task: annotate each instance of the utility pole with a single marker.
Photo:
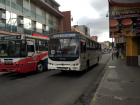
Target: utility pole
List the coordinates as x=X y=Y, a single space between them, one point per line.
x=112 y=49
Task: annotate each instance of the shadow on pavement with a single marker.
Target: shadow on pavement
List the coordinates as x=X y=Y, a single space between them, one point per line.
x=13 y=76
x=74 y=73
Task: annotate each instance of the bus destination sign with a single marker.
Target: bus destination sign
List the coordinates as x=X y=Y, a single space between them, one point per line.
x=67 y=35
x=11 y=37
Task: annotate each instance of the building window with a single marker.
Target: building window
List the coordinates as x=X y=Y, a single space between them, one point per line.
x=26 y=6
x=12 y=21
x=27 y=26
x=51 y=19
x=2 y=1
x=38 y=28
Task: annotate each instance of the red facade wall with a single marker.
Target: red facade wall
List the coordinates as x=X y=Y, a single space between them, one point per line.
x=65 y=22
x=95 y=38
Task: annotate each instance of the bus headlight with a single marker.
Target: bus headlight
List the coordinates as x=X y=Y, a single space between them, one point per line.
x=74 y=68
x=50 y=63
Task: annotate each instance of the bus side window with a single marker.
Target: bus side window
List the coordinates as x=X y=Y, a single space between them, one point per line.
x=47 y=44
x=42 y=45
x=30 y=48
x=36 y=45
x=90 y=45
x=23 y=49
x=87 y=44
x=83 y=47
x=93 y=45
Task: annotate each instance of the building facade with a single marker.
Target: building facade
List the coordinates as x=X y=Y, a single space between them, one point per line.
x=81 y=28
x=32 y=16
x=95 y=38
x=124 y=21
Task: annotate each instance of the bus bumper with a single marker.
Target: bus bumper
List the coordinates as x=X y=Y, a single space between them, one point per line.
x=14 y=69
x=64 y=68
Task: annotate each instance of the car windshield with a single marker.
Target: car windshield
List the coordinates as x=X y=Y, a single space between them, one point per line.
x=14 y=48
x=64 y=48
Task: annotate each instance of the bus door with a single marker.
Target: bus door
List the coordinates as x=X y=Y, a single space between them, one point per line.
x=31 y=54
x=83 y=54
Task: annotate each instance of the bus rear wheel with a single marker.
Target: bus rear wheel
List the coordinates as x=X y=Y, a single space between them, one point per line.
x=40 y=67
x=87 y=67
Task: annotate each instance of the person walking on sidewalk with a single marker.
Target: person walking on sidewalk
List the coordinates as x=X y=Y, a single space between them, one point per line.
x=117 y=54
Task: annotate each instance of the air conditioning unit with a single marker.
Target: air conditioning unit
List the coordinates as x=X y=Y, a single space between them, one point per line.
x=2 y=9
x=21 y=16
x=44 y=30
x=34 y=29
x=21 y=22
x=34 y=21
x=3 y=16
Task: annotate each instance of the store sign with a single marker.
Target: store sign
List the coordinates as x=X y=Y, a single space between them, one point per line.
x=38 y=35
x=124 y=21
x=125 y=2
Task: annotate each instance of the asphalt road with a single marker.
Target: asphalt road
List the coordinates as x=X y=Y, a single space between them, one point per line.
x=47 y=88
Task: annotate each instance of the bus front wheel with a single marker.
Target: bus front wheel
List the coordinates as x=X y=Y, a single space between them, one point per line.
x=40 y=67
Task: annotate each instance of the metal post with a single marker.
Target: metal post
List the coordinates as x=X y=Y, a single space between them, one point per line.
x=112 y=49
x=10 y=17
x=29 y=7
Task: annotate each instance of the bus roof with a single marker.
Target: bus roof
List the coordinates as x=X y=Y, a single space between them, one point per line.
x=12 y=37
x=77 y=33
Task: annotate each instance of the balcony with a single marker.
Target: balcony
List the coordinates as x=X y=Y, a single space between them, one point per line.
x=53 y=4
x=48 y=6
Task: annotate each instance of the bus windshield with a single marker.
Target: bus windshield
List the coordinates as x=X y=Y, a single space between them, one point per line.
x=14 y=48
x=64 y=48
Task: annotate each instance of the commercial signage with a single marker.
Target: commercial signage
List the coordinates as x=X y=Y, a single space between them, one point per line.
x=38 y=35
x=125 y=2
x=124 y=21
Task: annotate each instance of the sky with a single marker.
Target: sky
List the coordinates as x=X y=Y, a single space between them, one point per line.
x=91 y=13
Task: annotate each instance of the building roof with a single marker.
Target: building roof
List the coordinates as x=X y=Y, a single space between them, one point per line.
x=56 y=3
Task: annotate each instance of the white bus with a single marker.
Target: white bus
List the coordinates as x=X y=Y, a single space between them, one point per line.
x=73 y=51
x=23 y=53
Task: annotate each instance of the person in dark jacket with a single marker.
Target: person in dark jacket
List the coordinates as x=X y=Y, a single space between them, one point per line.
x=117 y=54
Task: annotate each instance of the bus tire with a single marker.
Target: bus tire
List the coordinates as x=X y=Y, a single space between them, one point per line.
x=87 y=66
x=40 y=67
x=97 y=60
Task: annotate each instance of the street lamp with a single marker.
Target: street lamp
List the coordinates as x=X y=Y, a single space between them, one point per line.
x=107 y=13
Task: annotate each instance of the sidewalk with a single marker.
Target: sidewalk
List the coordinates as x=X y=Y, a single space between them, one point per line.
x=120 y=85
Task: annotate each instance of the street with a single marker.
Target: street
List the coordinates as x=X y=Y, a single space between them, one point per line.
x=48 y=88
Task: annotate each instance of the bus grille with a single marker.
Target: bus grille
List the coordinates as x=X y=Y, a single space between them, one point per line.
x=62 y=67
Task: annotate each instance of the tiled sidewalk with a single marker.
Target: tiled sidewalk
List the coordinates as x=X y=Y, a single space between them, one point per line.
x=120 y=85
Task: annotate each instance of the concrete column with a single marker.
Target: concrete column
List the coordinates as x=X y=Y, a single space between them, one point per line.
x=131 y=51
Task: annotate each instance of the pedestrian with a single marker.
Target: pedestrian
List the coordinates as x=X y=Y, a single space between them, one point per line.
x=117 y=54
x=114 y=53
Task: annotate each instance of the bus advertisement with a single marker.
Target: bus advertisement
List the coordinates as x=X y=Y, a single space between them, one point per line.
x=23 y=53
x=72 y=51
x=124 y=18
